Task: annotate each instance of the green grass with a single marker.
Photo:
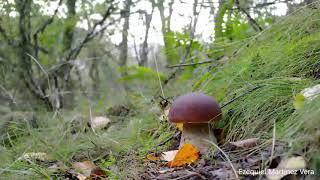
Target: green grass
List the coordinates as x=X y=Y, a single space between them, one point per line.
x=119 y=150
x=283 y=61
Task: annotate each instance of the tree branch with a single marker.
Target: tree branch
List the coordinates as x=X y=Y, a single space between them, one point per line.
x=49 y=21
x=190 y=64
x=90 y=35
x=253 y=23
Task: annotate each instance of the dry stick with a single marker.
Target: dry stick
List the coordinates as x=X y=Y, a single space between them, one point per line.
x=90 y=113
x=254 y=23
x=241 y=95
x=169 y=139
x=273 y=140
x=190 y=64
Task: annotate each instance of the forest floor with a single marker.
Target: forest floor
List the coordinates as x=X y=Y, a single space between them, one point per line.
x=279 y=115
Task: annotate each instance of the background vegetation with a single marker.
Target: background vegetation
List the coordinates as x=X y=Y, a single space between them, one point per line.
x=60 y=66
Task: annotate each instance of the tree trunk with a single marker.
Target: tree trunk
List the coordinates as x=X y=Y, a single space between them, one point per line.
x=66 y=83
x=124 y=44
x=144 y=51
x=25 y=52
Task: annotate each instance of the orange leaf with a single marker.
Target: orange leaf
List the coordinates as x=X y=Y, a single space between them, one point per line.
x=187 y=154
x=152 y=157
x=179 y=126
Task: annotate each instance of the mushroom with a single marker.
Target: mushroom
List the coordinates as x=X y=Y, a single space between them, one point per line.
x=195 y=111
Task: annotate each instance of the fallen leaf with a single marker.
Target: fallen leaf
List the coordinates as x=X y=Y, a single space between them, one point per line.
x=81 y=177
x=179 y=126
x=151 y=157
x=84 y=168
x=164 y=115
x=99 y=122
x=34 y=156
x=298 y=101
x=166 y=170
x=247 y=143
x=169 y=155
x=293 y=163
x=97 y=173
x=187 y=154
x=311 y=92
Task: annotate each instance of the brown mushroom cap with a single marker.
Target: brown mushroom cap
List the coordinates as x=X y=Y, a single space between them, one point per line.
x=194 y=108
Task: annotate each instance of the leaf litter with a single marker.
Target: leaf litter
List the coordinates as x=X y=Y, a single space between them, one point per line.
x=244 y=154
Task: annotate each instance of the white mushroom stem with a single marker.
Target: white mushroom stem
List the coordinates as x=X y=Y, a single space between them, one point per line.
x=198 y=134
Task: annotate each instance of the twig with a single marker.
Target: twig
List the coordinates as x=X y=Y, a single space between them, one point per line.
x=169 y=139
x=262 y=5
x=241 y=95
x=254 y=23
x=91 y=34
x=49 y=21
x=273 y=140
x=190 y=64
x=43 y=27
x=90 y=114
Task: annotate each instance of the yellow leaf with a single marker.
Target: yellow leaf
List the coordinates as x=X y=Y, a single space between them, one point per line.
x=152 y=157
x=187 y=154
x=298 y=101
x=179 y=126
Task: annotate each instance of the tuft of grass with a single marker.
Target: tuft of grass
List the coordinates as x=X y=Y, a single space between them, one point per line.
x=65 y=137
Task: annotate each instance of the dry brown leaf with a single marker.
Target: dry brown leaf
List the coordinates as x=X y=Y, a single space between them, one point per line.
x=99 y=122
x=84 y=168
x=187 y=154
x=151 y=157
x=247 y=143
x=293 y=163
x=97 y=173
x=169 y=155
x=81 y=177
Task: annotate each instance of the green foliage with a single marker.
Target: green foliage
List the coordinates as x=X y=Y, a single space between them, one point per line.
x=140 y=73
x=176 y=44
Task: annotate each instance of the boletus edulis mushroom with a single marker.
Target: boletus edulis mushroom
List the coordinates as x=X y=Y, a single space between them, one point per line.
x=196 y=111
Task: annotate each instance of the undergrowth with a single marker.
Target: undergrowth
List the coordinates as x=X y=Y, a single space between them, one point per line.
x=267 y=73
